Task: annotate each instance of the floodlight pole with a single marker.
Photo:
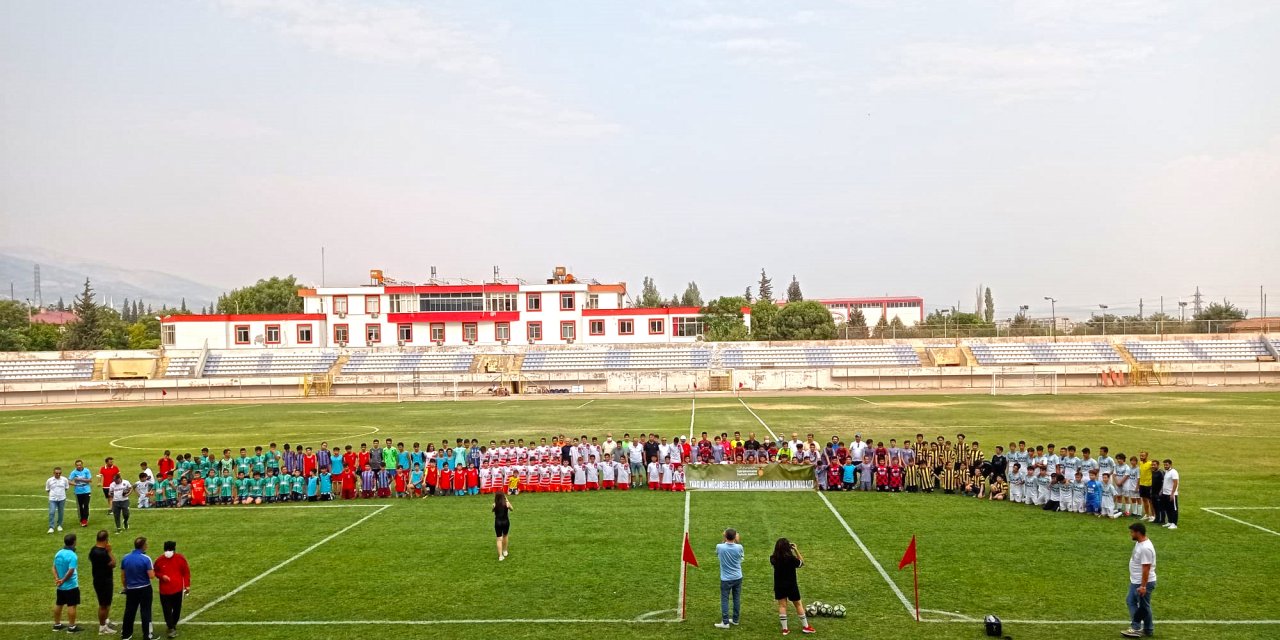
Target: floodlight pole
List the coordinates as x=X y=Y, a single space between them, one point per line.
x=1053 y=317
x=1104 y=318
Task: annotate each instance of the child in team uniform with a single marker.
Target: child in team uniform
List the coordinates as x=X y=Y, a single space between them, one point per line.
x=402 y=483
x=513 y=484
x=296 y=485
x=624 y=477
x=1043 y=481
x=1108 y=505
x=608 y=472
x=326 y=483
x=677 y=477
x=1093 y=493
x=1078 y=490
x=144 y=489
x=664 y=481
x=882 y=475
x=849 y=475
x=593 y=475
x=1056 y=486
x=895 y=476
x=655 y=474
x=997 y=488
x=226 y=487
x=313 y=487
x=1017 y=479
x=473 y=479
x=270 y=487
x=386 y=478
x=415 y=480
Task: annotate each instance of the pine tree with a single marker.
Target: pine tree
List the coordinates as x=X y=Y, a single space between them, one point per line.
x=766 y=287
x=62 y=306
x=989 y=312
x=126 y=313
x=149 y=311
x=882 y=327
x=747 y=295
x=675 y=301
x=857 y=324
x=793 y=291
x=183 y=308
x=87 y=332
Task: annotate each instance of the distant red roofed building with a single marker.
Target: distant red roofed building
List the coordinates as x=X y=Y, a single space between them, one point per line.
x=54 y=317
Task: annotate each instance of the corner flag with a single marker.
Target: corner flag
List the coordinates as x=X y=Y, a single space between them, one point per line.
x=687 y=554
x=909 y=558
x=686 y=558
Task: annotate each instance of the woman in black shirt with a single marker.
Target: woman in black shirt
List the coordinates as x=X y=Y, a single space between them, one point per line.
x=786 y=559
x=502 y=522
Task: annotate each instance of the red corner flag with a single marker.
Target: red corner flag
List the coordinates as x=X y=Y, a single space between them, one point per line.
x=687 y=554
x=907 y=558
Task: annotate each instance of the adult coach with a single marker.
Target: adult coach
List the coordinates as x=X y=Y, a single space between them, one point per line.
x=56 y=486
x=729 y=553
x=118 y=494
x=136 y=573
x=502 y=522
x=66 y=579
x=108 y=472
x=82 y=482
x=174 y=577
x=786 y=559
x=1142 y=582
x=103 y=563
x=1169 y=495
x=1144 y=486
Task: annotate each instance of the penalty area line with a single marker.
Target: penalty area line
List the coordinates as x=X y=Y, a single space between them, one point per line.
x=1247 y=524
x=762 y=423
x=238 y=623
x=272 y=570
x=911 y=610
x=585 y=404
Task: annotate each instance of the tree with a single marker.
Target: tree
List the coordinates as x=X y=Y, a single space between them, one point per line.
x=13 y=340
x=882 y=327
x=87 y=332
x=857 y=325
x=675 y=301
x=692 y=297
x=1215 y=317
x=766 y=288
x=747 y=295
x=62 y=306
x=724 y=321
x=14 y=315
x=183 y=307
x=763 y=315
x=127 y=312
x=989 y=310
x=793 y=291
x=805 y=320
x=43 y=337
x=144 y=334
x=649 y=296
x=275 y=295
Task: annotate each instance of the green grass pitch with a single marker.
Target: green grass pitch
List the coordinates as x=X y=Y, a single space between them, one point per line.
x=610 y=562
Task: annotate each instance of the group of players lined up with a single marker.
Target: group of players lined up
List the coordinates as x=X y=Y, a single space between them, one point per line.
x=383 y=470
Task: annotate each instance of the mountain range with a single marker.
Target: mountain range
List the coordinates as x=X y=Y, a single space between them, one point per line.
x=63 y=277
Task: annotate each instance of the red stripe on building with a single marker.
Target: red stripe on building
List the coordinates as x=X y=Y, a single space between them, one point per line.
x=455 y=316
x=454 y=288
x=250 y=317
x=655 y=311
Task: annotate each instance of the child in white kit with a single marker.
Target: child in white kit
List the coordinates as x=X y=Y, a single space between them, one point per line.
x=1108 y=497
x=1077 y=494
x=1016 y=480
x=144 y=487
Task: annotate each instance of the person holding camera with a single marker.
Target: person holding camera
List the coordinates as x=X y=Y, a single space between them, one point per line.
x=730 y=554
x=786 y=559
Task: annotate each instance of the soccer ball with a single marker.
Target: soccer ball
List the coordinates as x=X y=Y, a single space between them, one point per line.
x=839 y=611
x=812 y=609
x=827 y=609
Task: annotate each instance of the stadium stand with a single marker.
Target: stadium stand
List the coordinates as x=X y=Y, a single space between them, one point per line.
x=181 y=367
x=12 y=370
x=893 y=355
x=1198 y=350
x=268 y=364
x=430 y=362
x=998 y=353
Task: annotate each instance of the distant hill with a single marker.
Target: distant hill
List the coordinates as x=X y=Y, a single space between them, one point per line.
x=61 y=276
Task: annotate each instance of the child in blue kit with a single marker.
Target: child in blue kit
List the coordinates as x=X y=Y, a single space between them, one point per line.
x=1093 y=494
x=849 y=476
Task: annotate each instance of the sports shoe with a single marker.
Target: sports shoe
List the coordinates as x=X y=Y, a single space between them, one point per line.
x=721 y=625
x=173 y=633
x=809 y=630
x=1172 y=526
x=84 y=523
x=59 y=626
x=75 y=629
x=733 y=622
x=59 y=527
x=505 y=553
x=104 y=630
x=50 y=530
x=501 y=558
x=1131 y=633
x=786 y=632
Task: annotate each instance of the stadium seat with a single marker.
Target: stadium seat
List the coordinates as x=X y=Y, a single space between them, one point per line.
x=1014 y=353
x=422 y=362
x=1197 y=350
x=37 y=370
x=268 y=364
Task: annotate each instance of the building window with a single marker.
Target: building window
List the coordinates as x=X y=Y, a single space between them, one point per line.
x=655 y=327
x=429 y=302
x=470 y=332
x=402 y=303
x=568 y=329
x=626 y=327
x=340 y=305
x=533 y=302
x=168 y=335
x=404 y=332
x=304 y=334
x=273 y=334
x=501 y=302
x=688 y=327
x=340 y=334
x=437 y=332
x=566 y=301
x=593 y=301
x=596 y=327
x=372 y=333
x=242 y=334
x=535 y=331
x=502 y=331
x=372 y=305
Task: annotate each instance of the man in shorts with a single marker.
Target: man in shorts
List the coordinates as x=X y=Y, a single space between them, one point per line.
x=103 y=563
x=67 y=579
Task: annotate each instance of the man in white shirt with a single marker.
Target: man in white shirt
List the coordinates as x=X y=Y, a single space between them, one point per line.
x=119 y=490
x=1169 y=494
x=56 y=487
x=1142 y=582
x=609 y=445
x=857 y=448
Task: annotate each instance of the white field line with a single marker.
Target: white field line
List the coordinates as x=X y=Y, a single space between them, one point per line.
x=1247 y=524
x=27 y=509
x=20 y=495
x=272 y=570
x=771 y=434
x=911 y=610
x=237 y=623
x=242 y=406
x=585 y=404
x=1234 y=508
x=372 y=430
x=501 y=403
x=865 y=400
x=1116 y=422
x=1124 y=622
x=693 y=409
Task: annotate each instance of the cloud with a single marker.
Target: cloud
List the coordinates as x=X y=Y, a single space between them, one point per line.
x=216 y=125
x=407 y=34
x=758 y=45
x=722 y=22
x=1008 y=72
x=1084 y=13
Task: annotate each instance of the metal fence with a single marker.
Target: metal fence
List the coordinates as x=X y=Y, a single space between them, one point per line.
x=1092 y=327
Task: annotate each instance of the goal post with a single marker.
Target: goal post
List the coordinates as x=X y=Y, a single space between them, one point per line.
x=1006 y=384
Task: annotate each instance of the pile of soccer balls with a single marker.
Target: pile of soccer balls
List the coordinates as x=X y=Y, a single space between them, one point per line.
x=819 y=608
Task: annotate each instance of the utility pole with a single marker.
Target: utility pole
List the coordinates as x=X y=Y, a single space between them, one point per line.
x=1139 y=308
x=1053 y=319
x=1196 y=301
x=36 y=292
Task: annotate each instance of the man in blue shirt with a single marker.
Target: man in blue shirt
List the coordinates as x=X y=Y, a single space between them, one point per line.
x=82 y=481
x=137 y=572
x=730 y=554
x=67 y=579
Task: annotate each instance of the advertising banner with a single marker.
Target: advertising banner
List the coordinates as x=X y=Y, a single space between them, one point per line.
x=750 y=477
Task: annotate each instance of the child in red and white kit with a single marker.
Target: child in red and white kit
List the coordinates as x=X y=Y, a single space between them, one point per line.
x=608 y=472
x=677 y=477
x=665 y=482
x=655 y=474
x=580 y=478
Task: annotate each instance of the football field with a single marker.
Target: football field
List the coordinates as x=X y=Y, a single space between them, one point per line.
x=607 y=565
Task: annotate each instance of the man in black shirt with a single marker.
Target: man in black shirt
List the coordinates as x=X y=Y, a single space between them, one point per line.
x=751 y=443
x=999 y=463
x=651 y=448
x=104 y=563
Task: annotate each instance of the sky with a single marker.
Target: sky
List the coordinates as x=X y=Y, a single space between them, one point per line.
x=1097 y=152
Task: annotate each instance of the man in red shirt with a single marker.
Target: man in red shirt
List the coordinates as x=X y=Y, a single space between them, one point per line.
x=165 y=465
x=308 y=463
x=108 y=472
x=174 y=577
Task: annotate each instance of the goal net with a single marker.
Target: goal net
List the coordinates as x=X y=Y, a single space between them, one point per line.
x=1006 y=384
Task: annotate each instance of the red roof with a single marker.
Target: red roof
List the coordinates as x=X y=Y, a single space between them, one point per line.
x=54 y=317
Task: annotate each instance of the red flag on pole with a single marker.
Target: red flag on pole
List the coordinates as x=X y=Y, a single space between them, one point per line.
x=687 y=555
x=910 y=556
